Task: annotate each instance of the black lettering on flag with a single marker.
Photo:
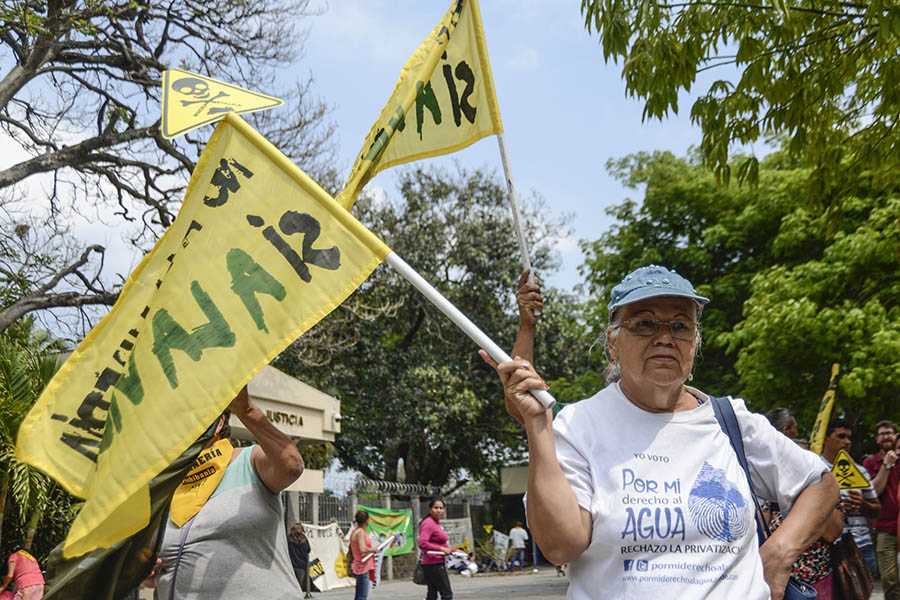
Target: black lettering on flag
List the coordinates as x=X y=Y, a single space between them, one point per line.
x=226 y=181
x=168 y=335
x=292 y=222
x=460 y=104
x=85 y=446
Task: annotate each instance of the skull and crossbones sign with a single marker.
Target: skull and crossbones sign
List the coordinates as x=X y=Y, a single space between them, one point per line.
x=197 y=88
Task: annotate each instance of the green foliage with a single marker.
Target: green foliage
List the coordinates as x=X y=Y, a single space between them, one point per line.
x=27 y=363
x=793 y=289
x=824 y=74
x=411 y=385
x=842 y=306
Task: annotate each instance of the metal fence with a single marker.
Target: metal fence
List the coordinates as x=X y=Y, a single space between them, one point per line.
x=326 y=508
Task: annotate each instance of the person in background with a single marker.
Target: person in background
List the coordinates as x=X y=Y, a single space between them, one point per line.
x=363 y=555
x=24 y=569
x=886 y=481
x=858 y=505
x=646 y=429
x=298 y=548
x=517 y=537
x=434 y=543
x=225 y=534
x=784 y=421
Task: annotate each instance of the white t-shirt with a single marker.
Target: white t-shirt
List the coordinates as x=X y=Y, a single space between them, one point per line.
x=672 y=512
x=518 y=536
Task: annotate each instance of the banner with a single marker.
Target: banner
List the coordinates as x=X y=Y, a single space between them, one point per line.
x=384 y=522
x=817 y=437
x=501 y=546
x=327 y=557
x=459 y=532
x=448 y=79
x=258 y=254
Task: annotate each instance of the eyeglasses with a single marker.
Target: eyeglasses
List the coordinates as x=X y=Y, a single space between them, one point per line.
x=884 y=434
x=647 y=327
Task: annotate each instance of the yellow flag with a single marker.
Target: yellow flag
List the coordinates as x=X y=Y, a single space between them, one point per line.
x=817 y=437
x=191 y=100
x=443 y=101
x=258 y=254
x=848 y=473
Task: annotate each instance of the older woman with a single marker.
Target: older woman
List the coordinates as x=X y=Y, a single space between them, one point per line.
x=639 y=489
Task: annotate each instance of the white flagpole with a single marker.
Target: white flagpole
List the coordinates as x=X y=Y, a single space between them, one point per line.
x=461 y=321
x=514 y=206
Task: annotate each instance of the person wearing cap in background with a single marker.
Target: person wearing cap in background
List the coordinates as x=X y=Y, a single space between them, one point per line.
x=638 y=488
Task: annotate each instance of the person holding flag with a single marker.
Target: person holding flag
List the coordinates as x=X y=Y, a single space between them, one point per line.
x=363 y=553
x=225 y=533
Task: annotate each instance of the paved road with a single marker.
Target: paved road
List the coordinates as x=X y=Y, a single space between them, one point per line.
x=544 y=584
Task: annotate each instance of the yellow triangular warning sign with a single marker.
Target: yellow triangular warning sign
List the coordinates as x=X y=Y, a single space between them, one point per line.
x=847 y=472
x=190 y=100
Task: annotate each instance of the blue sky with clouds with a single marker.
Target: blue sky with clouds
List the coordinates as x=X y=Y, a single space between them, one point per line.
x=564 y=110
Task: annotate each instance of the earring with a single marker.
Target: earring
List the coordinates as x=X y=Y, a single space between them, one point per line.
x=690 y=376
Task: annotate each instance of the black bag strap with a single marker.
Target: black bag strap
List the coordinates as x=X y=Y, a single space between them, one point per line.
x=728 y=422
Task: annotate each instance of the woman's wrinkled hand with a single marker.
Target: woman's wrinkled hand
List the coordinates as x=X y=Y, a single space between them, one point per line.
x=529 y=300
x=518 y=377
x=776 y=567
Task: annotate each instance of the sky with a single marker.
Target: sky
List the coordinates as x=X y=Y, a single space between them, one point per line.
x=565 y=111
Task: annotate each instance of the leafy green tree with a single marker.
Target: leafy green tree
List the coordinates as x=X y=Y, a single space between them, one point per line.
x=27 y=363
x=412 y=386
x=825 y=74
x=841 y=306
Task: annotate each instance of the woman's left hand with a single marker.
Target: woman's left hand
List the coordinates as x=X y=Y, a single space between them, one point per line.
x=776 y=567
x=447 y=551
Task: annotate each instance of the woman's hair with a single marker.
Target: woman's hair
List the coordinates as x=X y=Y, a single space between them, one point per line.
x=435 y=501
x=225 y=432
x=780 y=418
x=361 y=517
x=613 y=372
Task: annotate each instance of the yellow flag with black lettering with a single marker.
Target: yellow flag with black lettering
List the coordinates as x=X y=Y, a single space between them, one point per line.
x=444 y=101
x=258 y=254
x=817 y=437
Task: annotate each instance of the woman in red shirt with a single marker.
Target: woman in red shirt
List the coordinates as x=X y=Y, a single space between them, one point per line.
x=432 y=537
x=361 y=546
x=24 y=569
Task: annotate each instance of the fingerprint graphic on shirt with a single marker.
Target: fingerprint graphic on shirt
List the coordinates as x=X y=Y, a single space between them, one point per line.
x=717 y=507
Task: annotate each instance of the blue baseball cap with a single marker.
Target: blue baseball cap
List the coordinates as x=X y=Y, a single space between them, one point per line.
x=652 y=281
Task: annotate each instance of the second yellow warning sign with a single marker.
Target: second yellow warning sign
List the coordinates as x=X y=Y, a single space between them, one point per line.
x=848 y=473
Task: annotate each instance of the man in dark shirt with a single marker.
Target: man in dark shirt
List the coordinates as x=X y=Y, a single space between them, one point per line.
x=298 y=548
x=886 y=481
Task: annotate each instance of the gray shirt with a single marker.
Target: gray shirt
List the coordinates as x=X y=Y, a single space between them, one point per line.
x=236 y=546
